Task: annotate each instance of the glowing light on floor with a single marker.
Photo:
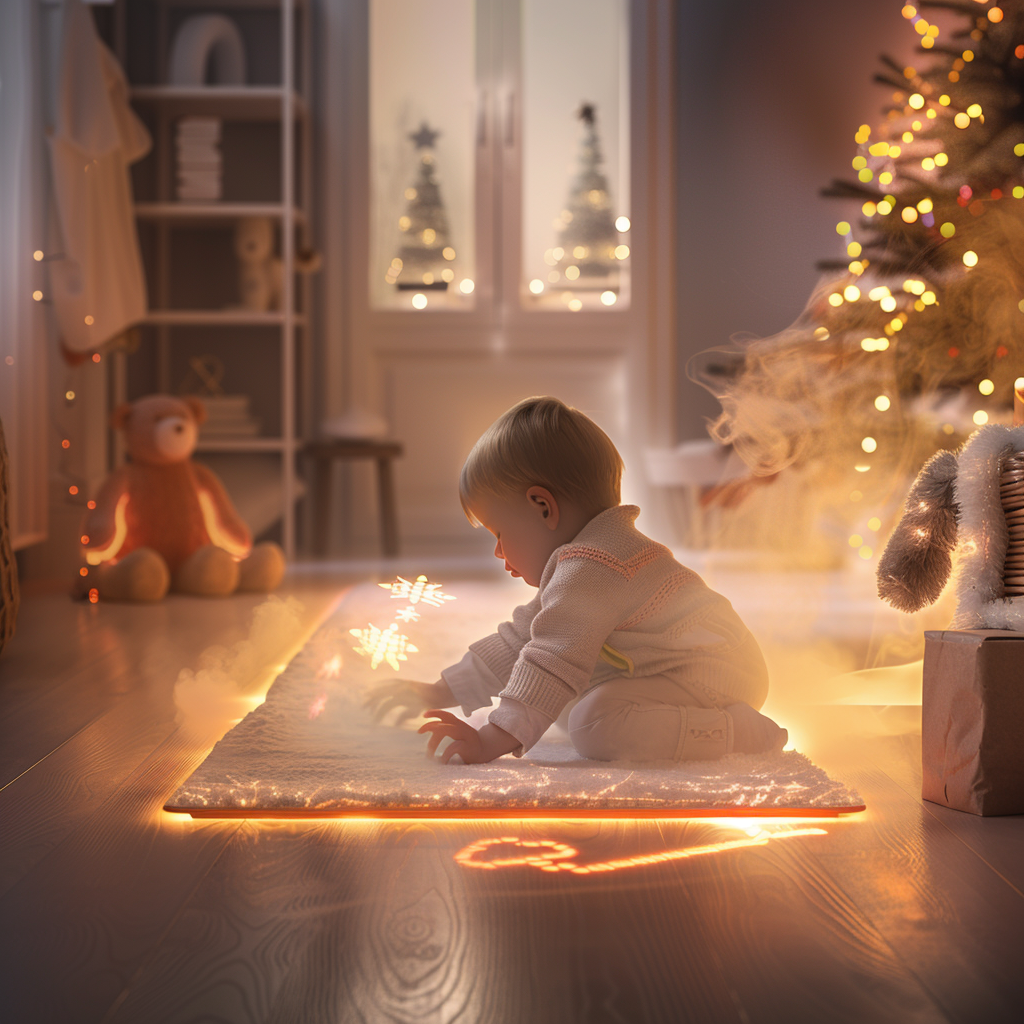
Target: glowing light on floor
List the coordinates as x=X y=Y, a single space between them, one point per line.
x=552 y=856
x=317 y=707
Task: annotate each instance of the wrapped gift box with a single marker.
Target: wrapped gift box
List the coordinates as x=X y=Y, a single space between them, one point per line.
x=972 y=720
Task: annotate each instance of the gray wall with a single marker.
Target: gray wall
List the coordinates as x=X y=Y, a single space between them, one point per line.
x=770 y=95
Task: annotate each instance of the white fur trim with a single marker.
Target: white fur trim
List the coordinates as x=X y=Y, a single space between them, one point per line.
x=983 y=538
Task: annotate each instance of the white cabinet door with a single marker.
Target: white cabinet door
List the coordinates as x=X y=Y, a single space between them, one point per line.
x=494 y=234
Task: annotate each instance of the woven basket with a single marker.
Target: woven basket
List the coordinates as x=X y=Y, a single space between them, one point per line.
x=1011 y=494
x=9 y=596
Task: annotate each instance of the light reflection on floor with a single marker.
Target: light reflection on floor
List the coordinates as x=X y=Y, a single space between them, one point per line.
x=553 y=856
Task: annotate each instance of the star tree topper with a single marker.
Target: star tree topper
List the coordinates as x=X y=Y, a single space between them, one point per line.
x=425 y=138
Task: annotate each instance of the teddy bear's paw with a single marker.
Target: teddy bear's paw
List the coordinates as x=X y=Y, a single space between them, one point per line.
x=140 y=576
x=262 y=571
x=208 y=572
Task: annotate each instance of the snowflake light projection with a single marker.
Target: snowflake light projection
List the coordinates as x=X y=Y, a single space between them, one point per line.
x=383 y=645
x=419 y=591
x=407 y=614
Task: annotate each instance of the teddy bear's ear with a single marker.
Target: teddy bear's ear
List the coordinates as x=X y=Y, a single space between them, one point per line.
x=197 y=407
x=120 y=416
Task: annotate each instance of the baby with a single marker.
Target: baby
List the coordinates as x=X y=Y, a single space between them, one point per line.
x=662 y=665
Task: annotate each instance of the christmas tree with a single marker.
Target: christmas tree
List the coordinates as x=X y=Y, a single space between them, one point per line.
x=588 y=252
x=920 y=336
x=425 y=258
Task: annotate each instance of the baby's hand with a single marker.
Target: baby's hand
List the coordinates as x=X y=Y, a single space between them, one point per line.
x=472 y=746
x=465 y=739
x=413 y=698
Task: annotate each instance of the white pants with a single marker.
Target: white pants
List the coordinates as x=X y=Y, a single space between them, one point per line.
x=666 y=717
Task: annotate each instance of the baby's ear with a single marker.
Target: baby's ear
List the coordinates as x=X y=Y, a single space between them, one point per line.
x=543 y=499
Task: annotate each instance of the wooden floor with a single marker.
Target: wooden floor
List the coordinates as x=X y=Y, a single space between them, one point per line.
x=111 y=910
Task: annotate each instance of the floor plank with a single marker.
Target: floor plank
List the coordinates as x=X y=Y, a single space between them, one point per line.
x=247 y=922
x=91 y=910
x=955 y=923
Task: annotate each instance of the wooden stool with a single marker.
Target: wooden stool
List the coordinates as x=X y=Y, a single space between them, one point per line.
x=323 y=453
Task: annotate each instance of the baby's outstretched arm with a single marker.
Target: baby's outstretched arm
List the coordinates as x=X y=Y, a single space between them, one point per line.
x=413 y=698
x=472 y=745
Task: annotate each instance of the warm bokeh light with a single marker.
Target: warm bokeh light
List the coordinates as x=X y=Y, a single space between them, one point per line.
x=882 y=403
x=419 y=300
x=986 y=387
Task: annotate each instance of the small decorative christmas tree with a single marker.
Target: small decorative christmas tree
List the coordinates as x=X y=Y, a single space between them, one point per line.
x=588 y=253
x=425 y=258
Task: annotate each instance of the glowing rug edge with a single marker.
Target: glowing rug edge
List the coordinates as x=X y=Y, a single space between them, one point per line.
x=519 y=814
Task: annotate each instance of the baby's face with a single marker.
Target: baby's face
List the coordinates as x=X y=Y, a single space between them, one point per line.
x=524 y=541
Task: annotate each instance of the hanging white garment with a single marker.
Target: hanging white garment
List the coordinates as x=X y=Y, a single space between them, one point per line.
x=99 y=287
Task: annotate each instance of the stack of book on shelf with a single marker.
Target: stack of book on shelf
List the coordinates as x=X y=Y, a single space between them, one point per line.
x=199 y=158
x=227 y=417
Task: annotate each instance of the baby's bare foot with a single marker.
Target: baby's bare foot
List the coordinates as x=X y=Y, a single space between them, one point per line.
x=754 y=733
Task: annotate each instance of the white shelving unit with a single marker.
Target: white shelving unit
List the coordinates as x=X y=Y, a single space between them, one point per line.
x=287 y=103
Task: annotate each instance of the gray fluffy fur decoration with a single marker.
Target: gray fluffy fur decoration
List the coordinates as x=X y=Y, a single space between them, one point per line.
x=955 y=503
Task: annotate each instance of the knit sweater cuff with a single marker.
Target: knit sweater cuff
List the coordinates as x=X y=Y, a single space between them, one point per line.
x=538 y=690
x=523 y=723
x=496 y=654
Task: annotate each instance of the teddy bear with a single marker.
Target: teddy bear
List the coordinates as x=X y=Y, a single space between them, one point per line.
x=260 y=272
x=165 y=522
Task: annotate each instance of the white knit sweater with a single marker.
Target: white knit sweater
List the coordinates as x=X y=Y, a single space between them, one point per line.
x=611 y=599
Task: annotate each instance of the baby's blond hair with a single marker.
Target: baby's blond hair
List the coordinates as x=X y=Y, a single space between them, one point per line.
x=543 y=442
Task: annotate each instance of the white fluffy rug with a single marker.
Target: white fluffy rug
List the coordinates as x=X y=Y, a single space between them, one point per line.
x=311 y=750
